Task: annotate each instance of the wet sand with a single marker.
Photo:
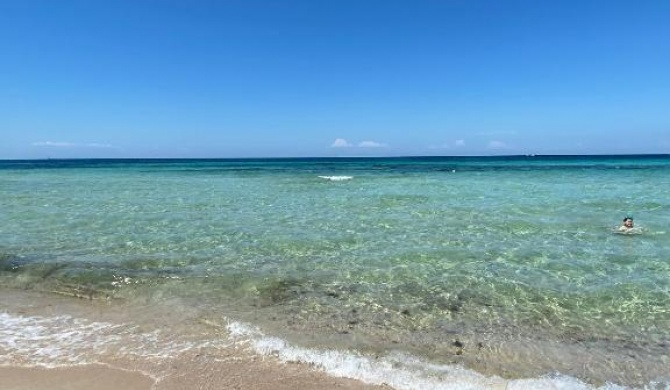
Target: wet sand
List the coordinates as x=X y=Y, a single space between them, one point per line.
x=232 y=376
x=73 y=378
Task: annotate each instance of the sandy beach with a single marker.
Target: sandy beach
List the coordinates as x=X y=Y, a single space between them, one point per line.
x=233 y=367
x=87 y=377
x=227 y=376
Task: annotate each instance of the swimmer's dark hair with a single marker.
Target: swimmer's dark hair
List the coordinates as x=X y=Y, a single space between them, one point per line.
x=627 y=218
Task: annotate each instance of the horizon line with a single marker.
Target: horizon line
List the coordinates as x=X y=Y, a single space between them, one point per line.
x=338 y=157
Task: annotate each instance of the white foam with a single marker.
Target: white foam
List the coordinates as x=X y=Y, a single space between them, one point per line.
x=64 y=340
x=399 y=371
x=336 y=178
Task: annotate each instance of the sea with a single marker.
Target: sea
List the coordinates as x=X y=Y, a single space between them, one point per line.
x=414 y=272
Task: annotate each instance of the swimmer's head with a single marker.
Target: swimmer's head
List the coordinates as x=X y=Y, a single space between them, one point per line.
x=628 y=222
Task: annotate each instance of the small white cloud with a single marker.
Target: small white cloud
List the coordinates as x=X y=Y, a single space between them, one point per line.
x=55 y=144
x=60 y=144
x=371 y=144
x=497 y=145
x=341 y=143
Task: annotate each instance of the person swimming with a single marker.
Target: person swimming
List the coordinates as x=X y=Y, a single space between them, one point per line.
x=627 y=224
x=628 y=227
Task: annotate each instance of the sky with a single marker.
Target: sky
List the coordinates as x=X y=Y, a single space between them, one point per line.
x=306 y=78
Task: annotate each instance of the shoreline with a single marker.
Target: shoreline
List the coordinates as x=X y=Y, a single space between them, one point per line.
x=149 y=360
x=73 y=342
x=224 y=366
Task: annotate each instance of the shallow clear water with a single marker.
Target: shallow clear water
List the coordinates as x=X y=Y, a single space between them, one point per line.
x=507 y=265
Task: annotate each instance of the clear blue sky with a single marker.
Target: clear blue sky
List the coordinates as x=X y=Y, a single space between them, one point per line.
x=254 y=78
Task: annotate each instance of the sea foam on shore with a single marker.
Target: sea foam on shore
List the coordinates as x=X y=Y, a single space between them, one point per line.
x=64 y=341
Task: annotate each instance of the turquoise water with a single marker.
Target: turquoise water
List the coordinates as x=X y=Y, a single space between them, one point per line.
x=506 y=265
